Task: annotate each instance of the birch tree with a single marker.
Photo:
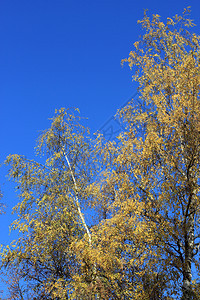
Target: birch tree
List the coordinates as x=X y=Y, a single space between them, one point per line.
x=50 y=217
x=151 y=179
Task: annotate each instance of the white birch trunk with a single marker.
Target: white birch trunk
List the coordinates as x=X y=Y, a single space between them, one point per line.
x=81 y=216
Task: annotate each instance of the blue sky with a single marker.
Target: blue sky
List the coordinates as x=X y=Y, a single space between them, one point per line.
x=65 y=54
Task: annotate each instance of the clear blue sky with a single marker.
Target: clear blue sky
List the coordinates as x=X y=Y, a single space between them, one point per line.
x=61 y=54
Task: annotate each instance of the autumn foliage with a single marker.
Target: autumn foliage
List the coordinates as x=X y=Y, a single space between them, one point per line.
x=142 y=189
